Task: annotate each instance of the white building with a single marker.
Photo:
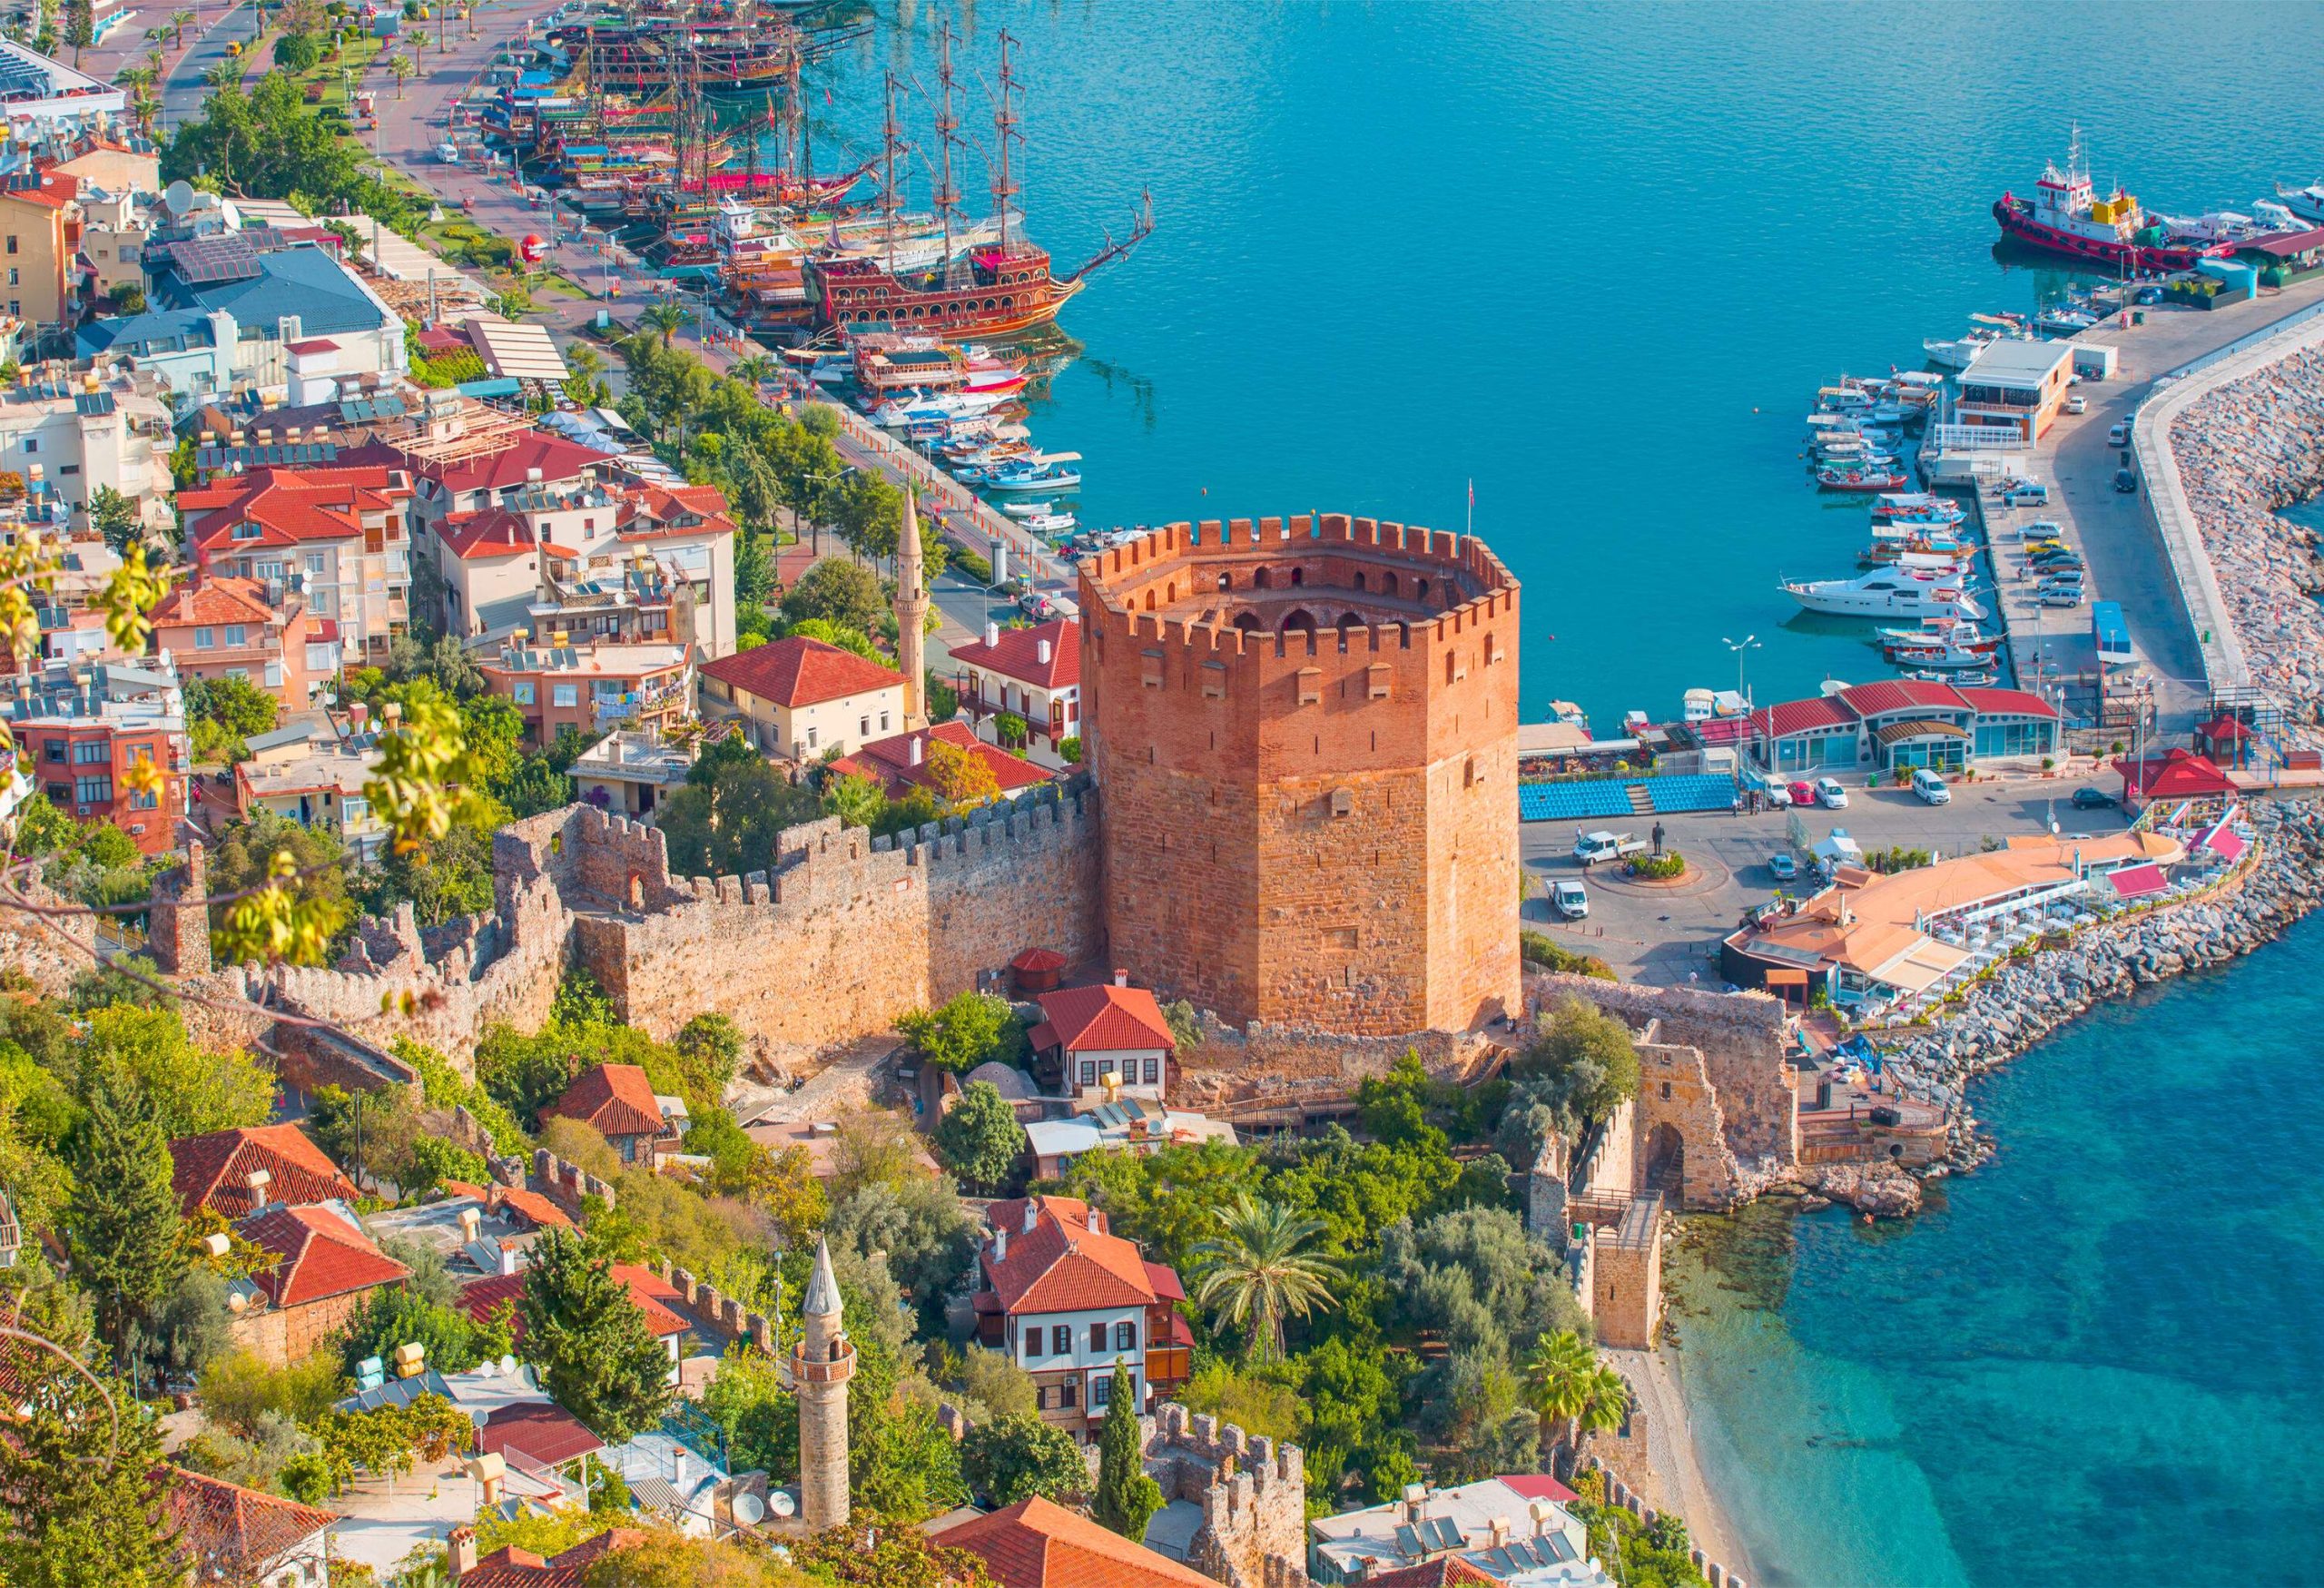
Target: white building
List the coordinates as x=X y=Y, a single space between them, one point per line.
x=802 y=699
x=1031 y=672
x=1105 y=1042
x=1515 y=1529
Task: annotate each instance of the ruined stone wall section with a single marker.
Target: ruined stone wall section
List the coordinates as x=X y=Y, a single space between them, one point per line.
x=1741 y=1037
x=850 y=931
x=53 y=950
x=1675 y=1089
x=1252 y=1493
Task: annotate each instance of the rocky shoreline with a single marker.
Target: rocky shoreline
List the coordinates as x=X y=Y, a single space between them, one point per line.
x=2028 y=1000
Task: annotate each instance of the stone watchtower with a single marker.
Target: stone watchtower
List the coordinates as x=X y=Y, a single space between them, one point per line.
x=912 y=616
x=177 y=919
x=821 y=1364
x=1304 y=732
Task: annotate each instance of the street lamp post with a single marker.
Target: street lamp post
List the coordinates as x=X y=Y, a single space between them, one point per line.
x=1742 y=647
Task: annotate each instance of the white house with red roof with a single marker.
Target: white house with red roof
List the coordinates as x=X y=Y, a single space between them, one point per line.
x=801 y=698
x=898 y=763
x=1033 y=673
x=1105 y=1042
x=1892 y=725
x=335 y=534
x=1077 y=1306
x=227 y=1533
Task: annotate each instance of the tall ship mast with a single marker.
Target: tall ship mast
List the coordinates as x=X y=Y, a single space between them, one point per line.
x=987 y=289
x=2065 y=216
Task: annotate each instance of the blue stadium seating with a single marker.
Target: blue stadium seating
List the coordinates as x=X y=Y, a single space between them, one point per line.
x=1698 y=792
x=1594 y=798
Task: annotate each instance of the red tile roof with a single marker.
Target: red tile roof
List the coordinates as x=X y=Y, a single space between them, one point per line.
x=797 y=672
x=1061 y=1265
x=558 y=459
x=1797 y=716
x=232 y=1534
x=1017 y=653
x=2000 y=702
x=512 y=1567
x=540 y=1431
x=533 y=1208
x=213 y=1171
x=1106 y=1018
x=888 y=762
x=487 y=532
x=1036 y=1543
x=480 y=1297
x=1038 y=960
x=214 y=601
x=317 y=344
x=290 y=505
x=322 y=1256
x=56 y=190
x=659 y=512
x=616 y=1099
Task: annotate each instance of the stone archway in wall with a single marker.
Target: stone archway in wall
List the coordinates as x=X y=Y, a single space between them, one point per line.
x=1680 y=1145
x=1666 y=1158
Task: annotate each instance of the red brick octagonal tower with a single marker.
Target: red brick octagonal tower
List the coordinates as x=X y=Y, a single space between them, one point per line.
x=1304 y=738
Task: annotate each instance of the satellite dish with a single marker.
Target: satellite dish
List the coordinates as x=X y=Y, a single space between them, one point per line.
x=178 y=196
x=781 y=1500
x=508 y=1367
x=749 y=1509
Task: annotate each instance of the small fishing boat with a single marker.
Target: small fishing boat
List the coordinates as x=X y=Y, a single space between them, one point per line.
x=2063 y=320
x=1048 y=472
x=1915 y=508
x=1027 y=509
x=1861 y=479
x=1940 y=659
x=1051 y=523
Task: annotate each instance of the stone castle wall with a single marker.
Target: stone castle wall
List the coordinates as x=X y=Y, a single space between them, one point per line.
x=1252 y=1493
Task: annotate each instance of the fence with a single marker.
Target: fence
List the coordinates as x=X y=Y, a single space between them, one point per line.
x=901 y=458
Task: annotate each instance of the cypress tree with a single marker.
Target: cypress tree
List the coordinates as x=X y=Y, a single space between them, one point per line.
x=1128 y=1497
x=121 y=1224
x=597 y=1359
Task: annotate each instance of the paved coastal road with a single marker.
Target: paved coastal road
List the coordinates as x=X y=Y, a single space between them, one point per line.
x=183 y=90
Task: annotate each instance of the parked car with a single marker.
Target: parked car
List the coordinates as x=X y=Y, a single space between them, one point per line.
x=2026 y=494
x=2077 y=403
x=1830 y=794
x=2059 y=598
x=1784 y=866
x=2120 y=436
x=1589 y=848
x=2042 y=529
x=1569 y=899
x=1931 y=787
x=1802 y=792
x=1777 y=794
x=2088 y=798
x=2126 y=482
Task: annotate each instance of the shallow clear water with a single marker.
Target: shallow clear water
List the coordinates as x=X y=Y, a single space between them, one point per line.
x=1595 y=257
x=2096 y=1361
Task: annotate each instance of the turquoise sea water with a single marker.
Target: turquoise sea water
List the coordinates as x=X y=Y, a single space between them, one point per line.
x=1597 y=257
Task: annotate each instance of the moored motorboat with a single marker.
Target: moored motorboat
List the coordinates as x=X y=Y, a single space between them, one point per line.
x=1884 y=593
x=1862 y=479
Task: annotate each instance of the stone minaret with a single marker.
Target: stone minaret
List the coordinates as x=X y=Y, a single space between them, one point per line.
x=821 y=1364
x=912 y=616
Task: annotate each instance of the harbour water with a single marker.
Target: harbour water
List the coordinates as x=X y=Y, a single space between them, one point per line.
x=1594 y=257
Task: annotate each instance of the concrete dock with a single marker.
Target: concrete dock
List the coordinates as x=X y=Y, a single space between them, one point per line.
x=2115 y=531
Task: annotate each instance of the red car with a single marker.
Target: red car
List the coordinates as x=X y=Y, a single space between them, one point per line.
x=1802 y=793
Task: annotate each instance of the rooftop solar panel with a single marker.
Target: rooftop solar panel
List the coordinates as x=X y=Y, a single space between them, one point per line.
x=94 y=405
x=209 y=260
x=1409 y=1543
x=1447 y=1535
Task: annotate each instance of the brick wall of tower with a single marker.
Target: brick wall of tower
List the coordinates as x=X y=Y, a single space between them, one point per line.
x=1317 y=827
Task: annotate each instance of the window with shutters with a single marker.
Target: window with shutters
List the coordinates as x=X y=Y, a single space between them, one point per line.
x=1096 y=1339
x=1125 y=1337
x=1061 y=1340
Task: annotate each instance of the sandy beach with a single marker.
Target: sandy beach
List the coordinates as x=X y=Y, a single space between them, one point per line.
x=1670 y=1446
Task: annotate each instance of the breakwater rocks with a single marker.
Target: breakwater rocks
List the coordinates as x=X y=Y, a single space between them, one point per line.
x=2028 y=998
x=2244 y=451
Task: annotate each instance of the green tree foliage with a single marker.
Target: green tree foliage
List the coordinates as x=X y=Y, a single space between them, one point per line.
x=1013 y=1458
x=726 y=820
x=845 y=594
x=1258 y=1272
x=1583 y=1060
x=890 y=1557
x=980 y=1139
x=917 y=1219
x=115 y=515
x=1571 y=1391
x=856 y=800
x=187 y=1091
x=265 y=142
x=122 y=1224
x=967 y=1029
x=81 y=1474
x=393 y=1315
x=238 y=865
x=239 y=1391
x=597 y=1358
x=1126 y=1498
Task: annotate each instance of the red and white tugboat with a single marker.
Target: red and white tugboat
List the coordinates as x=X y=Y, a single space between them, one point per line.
x=2064 y=217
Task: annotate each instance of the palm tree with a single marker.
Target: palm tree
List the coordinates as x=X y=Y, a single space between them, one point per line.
x=402 y=67
x=179 y=22
x=223 y=75
x=1566 y=1383
x=663 y=319
x=754 y=370
x=1254 y=1273
x=584 y=361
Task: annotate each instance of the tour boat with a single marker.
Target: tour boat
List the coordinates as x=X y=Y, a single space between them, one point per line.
x=1918 y=506
x=2064 y=217
x=1884 y=593
x=2306 y=202
x=1855 y=480
x=1027 y=509
x=1943 y=658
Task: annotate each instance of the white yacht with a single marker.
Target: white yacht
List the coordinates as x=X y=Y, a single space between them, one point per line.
x=1885 y=593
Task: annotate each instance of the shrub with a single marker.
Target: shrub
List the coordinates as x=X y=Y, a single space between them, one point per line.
x=1659 y=867
x=1069 y=747
x=1539 y=948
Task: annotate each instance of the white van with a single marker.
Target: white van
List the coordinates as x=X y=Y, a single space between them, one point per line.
x=1569 y=899
x=1931 y=787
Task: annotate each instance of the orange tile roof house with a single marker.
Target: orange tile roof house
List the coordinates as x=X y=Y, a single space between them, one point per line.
x=1104 y=1041
x=1067 y=1299
x=228 y=1533
x=325 y=1264
x=592 y=687
x=800 y=697
x=1036 y=1543
x=226 y=628
x=619 y=1103
x=898 y=763
x=512 y=1566
x=219 y=1172
x=339 y=531
x=1034 y=672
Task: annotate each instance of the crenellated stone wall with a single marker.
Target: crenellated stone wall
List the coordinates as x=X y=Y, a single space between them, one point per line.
x=53 y=950
x=718 y=1314
x=1252 y=1493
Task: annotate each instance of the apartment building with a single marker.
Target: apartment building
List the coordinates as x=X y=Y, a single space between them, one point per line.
x=79 y=729
x=335 y=536
x=227 y=628
x=593 y=687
